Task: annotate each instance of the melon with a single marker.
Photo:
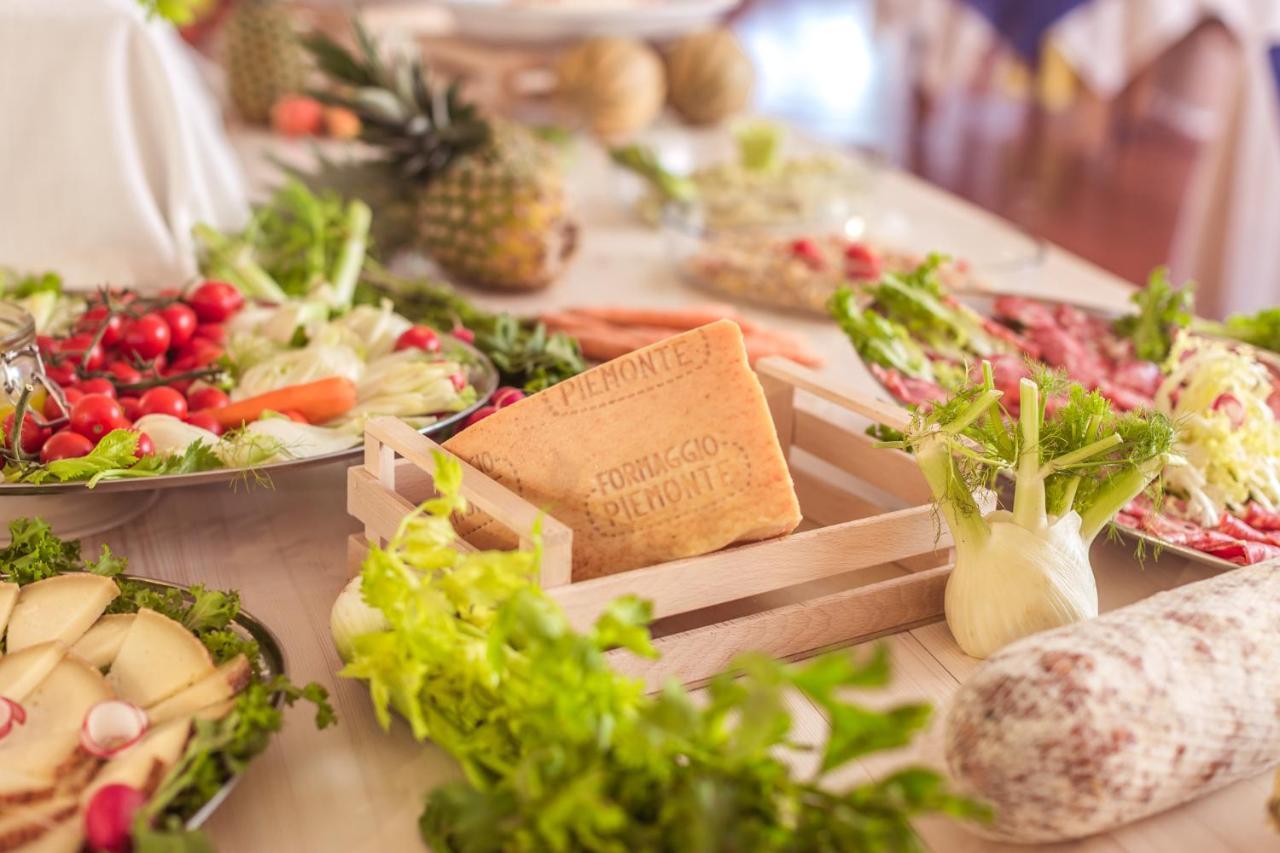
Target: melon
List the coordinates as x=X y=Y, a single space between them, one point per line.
x=22 y=671
x=216 y=687
x=158 y=658
x=35 y=756
x=710 y=76
x=59 y=608
x=101 y=643
x=616 y=85
x=8 y=598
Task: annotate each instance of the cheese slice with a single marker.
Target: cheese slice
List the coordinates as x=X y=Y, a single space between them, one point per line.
x=28 y=827
x=158 y=658
x=101 y=643
x=663 y=453
x=216 y=687
x=22 y=671
x=143 y=765
x=58 y=608
x=36 y=755
x=8 y=598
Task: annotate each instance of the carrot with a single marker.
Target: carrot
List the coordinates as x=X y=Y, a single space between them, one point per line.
x=318 y=402
x=689 y=317
x=758 y=348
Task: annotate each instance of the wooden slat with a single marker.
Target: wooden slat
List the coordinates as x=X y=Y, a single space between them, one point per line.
x=890 y=471
x=712 y=579
x=780 y=395
x=841 y=618
x=378 y=508
x=889 y=414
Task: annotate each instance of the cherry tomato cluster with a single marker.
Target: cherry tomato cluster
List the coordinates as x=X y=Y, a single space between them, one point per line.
x=860 y=261
x=129 y=356
x=503 y=397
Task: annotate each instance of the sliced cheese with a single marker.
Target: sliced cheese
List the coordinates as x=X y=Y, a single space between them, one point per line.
x=8 y=598
x=158 y=658
x=143 y=765
x=101 y=643
x=64 y=837
x=215 y=688
x=38 y=754
x=58 y=608
x=663 y=453
x=27 y=827
x=22 y=671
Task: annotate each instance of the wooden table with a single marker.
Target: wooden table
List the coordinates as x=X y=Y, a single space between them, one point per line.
x=355 y=788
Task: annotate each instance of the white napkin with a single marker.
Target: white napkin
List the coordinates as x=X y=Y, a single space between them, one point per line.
x=111 y=147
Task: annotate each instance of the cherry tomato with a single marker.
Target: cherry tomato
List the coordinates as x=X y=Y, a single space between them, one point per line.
x=96 y=318
x=95 y=415
x=98 y=385
x=65 y=445
x=181 y=386
x=204 y=420
x=33 y=435
x=182 y=323
x=125 y=373
x=145 y=446
x=146 y=337
x=82 y=352
x=63 y=374
x=163 y=401
x=419 y=337
x=480 y=414
x=462 y=333
x=129 y=405
x=170 y=293
x=206 y=397
x=46 y=344
x=861 y=262
x=212 y=332
x=506 y=395
x=808 y=251
x=52 y=411
x=215 y=301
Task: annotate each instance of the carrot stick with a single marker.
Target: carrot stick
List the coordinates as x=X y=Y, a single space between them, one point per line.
x=684 y=318
x=318 y=402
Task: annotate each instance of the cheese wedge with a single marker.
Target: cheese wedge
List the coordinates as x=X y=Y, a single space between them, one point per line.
x=158 y=658
x=36 y=755
x=64 y=837
x=25 y=828
x=663 y=453
x=58 y=608
x=8 y=598
x=101 y=643
x=22 y=671
x=143 y=765
x=220 y=685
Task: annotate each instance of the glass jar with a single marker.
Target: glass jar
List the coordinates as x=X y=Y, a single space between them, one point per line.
x=20 y=365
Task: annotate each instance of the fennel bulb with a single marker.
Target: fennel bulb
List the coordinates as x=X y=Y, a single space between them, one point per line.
x=352 y=617
x=170 y=435
x=1027 y=570
x=296 y=367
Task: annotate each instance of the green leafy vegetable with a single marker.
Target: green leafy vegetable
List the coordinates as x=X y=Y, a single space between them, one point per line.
x=179 y=12
x=1162 y=309
x=34 y=553
x=560 y=752
x=16 y=286
x=915 y=300
x=877 y=339
x=644 y=162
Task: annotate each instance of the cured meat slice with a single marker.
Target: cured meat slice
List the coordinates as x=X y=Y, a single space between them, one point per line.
x=908 y=389
x=1260 y=518
x=1027 y=313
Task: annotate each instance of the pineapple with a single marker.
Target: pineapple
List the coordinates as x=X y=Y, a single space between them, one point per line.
x=263 y=57
x=487 y=195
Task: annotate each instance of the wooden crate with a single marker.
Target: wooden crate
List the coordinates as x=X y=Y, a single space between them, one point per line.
x=871 y=558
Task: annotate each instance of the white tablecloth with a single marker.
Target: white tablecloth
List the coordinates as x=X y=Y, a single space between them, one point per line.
x=111 y=148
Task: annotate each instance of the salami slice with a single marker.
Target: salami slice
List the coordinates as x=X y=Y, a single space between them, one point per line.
x=1084 y=728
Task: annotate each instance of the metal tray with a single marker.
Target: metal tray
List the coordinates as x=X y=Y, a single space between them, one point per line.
x=1152 y=546
x=480 y=372
x=272 y=663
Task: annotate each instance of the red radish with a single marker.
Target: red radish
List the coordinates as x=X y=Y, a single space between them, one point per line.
x=98 y=385
x=215 y=301
x=419 y=337
x=145 y=446
x=108 y=819
x=459 y=380
x=11 y=714
x=204 y=420
x=297 y=115
x=146 y=337
x=462 y=333
x=33 y=435
x=206 y=397
x=111 y=726
x=506 y=395
x=861 y=261
x=181 y=320
x=1229 y=405
x=65 y=445
x=809 y=252
x=480 y=414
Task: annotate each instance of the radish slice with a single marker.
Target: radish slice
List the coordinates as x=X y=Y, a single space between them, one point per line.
x=111 y=726
x=108 y=819
x=19 y=712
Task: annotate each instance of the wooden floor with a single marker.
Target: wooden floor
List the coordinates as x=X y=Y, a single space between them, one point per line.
x=1112 y=197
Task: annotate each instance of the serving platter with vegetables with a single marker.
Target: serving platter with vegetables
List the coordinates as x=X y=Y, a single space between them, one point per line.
x=128 y=707
x=1219 y=492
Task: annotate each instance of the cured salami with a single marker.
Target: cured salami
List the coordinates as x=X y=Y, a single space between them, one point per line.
x=1084 y=728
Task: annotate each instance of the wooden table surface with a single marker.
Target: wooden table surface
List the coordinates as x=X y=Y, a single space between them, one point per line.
x=355 y=788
